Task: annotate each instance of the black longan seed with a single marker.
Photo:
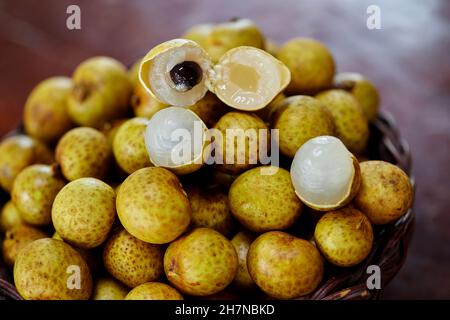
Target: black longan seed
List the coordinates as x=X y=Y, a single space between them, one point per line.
x=186 y=75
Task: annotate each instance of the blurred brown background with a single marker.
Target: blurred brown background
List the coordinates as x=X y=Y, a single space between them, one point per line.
x=408 y=59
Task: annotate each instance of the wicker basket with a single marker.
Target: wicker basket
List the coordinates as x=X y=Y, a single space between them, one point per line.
x=390 y=242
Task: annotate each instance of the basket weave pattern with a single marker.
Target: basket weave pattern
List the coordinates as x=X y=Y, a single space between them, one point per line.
x=390 y=242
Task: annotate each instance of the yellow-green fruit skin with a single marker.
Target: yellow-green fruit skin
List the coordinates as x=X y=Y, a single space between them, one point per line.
x=129 y=145
x=264 y=202
x=143 y=104
x=386 y=192
x=352 y=126
x=16 y=239
x=210 y=109
x=237 y=123
x=362 y=89
x=17 y=153
x=226 y=36
x=10 y=217
x=45 y=267
x=83 y=152
x=241 y=243
x=132 y=261
x=344 y=236
x=154 y=291
x=101 y=92
x=133 y=72
x=108 y=288
x=298 y=119
x=198 y=33
x=210 y=209
x=153 y=206
x=83 y=212
x=311 y=65
x=33 y=193
x=283 y=266
x=201 y=263
x=45 y=115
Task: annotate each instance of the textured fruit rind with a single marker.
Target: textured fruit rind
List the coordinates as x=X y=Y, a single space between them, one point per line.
x=41 y=272
x=386 y=192
x=201 y=263
x=283 y=266
x=154 y=291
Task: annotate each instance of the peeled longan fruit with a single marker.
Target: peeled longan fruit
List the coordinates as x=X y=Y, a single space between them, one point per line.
x=210 y=208
x=131 y=260
x=344 y=236
x=311 y=65
x=45 y=267
x=17 y=238
x=264 y=200
x=34 y=190
x=298 y=119
x=201 y=263
x=283 y=266
x=362 y=89
x=352 y=126
x=107 y=288
x=386 y=192
x=154 y=291
x=17 y=153
x=325 y=175
x=45 y=115
x=84 y=152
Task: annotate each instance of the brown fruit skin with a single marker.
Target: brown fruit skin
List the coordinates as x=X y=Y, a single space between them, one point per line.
x=386 y=192
x=33 y=193
x=267 y=112
x=311 y=65
x=210 y=209
x=45 y=115
x=83 y=152
x=153 y=206
x=132 y=261
x=41 y=272
x=108 y=288
x=241 y=243
x=240 y=121
x=129 y=145
x=298 y=119
x=100 y=93
x=210 y=109
x=154 y=291
x=201 y=263
x=363 y=91
x=264 y=202
x=344 y=236
x=352 y=126
x=283 y=266
x=143 y=104
x=83 y=212
x=16 y=239
x=17 y=153
x=10 y=217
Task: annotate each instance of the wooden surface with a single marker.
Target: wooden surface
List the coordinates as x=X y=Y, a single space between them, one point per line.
x=408 y=59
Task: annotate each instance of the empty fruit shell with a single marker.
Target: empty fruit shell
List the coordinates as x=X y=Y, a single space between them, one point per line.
x=179 y=72
x=325 y=175
x=176 y=139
